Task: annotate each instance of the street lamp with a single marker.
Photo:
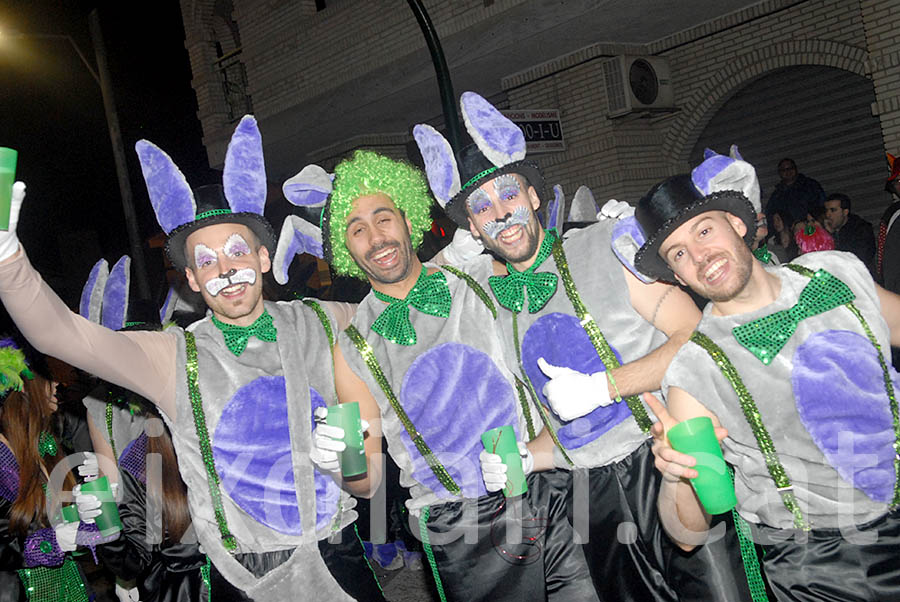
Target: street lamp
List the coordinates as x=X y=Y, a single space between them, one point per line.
x=101 y=76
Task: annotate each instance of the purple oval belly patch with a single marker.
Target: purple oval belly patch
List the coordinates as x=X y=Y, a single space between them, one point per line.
x=840 y=393
x=452 y=393
x=560 y=339
x=252 y=450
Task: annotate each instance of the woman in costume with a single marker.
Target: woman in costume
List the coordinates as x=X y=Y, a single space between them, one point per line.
x=34 y=561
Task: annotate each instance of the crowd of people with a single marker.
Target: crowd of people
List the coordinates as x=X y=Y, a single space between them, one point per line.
x=216 y=433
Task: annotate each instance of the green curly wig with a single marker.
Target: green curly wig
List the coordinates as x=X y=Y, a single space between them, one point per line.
x=370 y=173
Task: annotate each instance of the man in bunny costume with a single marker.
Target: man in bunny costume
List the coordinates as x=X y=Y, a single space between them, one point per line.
x=598 y=332
x=791 y=361
x=424 y=360
x=238 y=388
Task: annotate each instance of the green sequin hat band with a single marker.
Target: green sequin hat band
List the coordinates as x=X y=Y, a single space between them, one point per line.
x=213 y=208
x=475 y=169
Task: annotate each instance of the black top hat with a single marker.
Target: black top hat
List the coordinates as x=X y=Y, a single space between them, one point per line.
x=671 y=203
x=213 y=208
x=475 y=169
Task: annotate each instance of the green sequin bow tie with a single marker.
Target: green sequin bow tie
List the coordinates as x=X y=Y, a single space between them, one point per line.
x=510 y=289
x=763 y=253
x=765 y=336
x=236 y=337
x=430 y=295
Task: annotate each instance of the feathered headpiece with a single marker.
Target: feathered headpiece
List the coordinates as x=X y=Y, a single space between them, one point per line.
x=12 y=367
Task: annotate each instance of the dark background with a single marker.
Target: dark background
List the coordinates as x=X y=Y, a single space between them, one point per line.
x=51 y=111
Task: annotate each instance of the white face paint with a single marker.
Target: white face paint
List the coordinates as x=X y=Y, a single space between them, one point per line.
x=235 y=246
x=203 y=256
x=215 y=285
x=494 y=228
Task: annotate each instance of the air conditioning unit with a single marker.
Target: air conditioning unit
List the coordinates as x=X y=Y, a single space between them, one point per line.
x=637 y=83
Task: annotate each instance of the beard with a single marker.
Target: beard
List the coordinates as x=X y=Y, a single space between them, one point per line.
x=520 y=253
x=742 y=264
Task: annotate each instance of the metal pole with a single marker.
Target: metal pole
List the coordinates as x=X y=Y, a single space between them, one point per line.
x=139 y=268
x=448 y=100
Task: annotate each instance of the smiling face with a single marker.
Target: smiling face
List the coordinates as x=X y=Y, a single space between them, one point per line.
x=502 y=215
x=227 y=267
x=708 y=254
x=377 y=236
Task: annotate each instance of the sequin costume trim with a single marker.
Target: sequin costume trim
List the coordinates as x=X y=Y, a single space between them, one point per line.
x=109 y=429
x=368 y=356
x=61 y=584
x=212 y=477
x=604 y=351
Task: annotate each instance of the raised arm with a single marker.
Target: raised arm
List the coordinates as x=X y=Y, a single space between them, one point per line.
x=143 y=362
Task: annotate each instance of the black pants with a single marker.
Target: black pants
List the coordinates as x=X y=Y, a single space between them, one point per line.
x=630 y=556
x=345 y=560
x=481 y=564
x=824 y=564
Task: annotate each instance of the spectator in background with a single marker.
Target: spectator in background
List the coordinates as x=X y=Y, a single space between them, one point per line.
x=795 y=193
x=781 y=241
x=811 y=235
x=885 y=263
x=851 y=232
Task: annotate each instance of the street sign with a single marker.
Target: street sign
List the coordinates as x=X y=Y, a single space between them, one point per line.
x=542 y=129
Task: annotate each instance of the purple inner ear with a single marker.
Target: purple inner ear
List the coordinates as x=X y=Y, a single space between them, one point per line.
x=170 y=195
x=440 y=164
x=553 y=213
x=92 y=293
x=500 y=140
x=309 y=188
x=115 y=295
x=244 y=176
x=706 y=171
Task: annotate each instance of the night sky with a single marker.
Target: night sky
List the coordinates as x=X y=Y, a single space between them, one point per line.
x=51 y=111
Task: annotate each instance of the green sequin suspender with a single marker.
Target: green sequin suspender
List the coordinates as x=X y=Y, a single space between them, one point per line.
x=109 y=429
x=604 y=351
x=888 y=384
x=326 y=325
x=486 y=299
x=368 y=355
x=212 y=476
x=754 y=419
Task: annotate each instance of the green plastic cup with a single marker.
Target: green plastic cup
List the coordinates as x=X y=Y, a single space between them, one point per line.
x=714 y=487
x=70 y=513
x=353 y=458
x=502 y=441
x=8 y=158
x=108 y=521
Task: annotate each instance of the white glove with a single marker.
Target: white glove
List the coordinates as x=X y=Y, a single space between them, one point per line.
x=573 y=394
x=493 y=469
x=9 y=241
x=127 y=595
x=328 y=442
x=462 y=248
x=65 y=536
x=614 y=209
x=89 y=469
x=88 y=505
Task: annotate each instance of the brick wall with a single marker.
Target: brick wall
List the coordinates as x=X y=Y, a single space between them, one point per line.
x=622 y=158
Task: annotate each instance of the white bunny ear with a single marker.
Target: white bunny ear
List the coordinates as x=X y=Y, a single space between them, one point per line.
x=115 y=295
x=556 y=209
x=723 y=172
x=309 y=188
x=498 y=138
x=297 y=236
x=92 y=293
x=168 y=306
x=584 y=207
x=440 y=163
